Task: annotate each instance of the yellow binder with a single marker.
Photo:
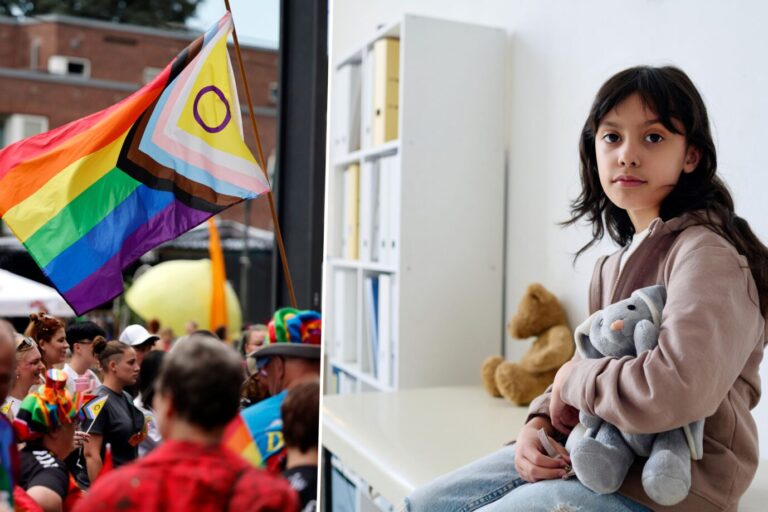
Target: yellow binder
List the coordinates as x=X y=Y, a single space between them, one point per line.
x=351 y=211
x=386 y=85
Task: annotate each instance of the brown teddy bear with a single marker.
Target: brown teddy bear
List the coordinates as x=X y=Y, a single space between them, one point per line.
x=539 y=314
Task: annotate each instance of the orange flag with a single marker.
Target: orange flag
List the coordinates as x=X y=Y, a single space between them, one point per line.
x=219 y=279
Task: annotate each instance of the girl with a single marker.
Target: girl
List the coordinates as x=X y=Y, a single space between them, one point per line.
x=48 y=416
x=252 y=339
x=29 y=368
x=148 y=374
x=254 y=388
x=51 y=339
x=648 y=172
x=119 y=424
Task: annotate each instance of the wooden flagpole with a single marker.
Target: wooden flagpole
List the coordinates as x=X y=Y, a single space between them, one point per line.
x=262 y=163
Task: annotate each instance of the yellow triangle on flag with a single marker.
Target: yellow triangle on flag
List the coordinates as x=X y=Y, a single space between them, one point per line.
x=94 y=407
x=211 y=111
x=6 y=410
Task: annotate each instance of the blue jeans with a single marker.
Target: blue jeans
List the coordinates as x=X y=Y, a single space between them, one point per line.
x=492 y=484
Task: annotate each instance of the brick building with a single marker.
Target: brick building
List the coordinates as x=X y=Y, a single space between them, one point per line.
x=55 y=69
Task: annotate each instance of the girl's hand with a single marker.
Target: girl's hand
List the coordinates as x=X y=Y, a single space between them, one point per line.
x=531 y=459
x=80 y=439
x=564 y=417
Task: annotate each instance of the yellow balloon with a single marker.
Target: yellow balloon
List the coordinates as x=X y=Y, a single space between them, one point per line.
x=178 y=291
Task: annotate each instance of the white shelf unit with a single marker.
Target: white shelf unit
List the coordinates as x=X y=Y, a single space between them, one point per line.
x=443 y=198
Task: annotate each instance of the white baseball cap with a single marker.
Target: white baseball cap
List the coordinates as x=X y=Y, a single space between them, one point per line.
x=136 y=334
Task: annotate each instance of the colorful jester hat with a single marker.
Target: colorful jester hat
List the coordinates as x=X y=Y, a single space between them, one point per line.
x=293 y=333
x=47 y=408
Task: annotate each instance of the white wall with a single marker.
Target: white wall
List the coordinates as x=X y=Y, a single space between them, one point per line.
x=559 y=53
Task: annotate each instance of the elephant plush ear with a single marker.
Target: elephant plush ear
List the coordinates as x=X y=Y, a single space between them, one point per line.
x=657 y=293
x=581 y=337
x=654 y=297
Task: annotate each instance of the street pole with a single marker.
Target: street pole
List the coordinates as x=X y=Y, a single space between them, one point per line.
x=245 y=261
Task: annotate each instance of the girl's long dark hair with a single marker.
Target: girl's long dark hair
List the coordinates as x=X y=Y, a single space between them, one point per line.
x=150 y=370
x=671 y=95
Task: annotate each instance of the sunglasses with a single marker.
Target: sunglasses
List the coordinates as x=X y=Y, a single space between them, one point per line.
x=262 y=363
x=25 y=343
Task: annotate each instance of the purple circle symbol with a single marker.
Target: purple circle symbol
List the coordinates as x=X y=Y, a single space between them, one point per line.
x=211 y=129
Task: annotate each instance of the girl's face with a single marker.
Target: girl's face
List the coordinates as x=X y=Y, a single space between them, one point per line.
x=30 y=367
x=639 y=160
x=55 y=349
x=254 y=341
x=126 y=368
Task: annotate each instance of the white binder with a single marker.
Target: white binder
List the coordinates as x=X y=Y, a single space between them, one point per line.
x=368 y=200
x=385 y=213
x=347 y=97
x=385 y=330
x=345 y=294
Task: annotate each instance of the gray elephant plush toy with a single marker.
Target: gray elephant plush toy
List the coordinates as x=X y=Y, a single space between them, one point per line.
x=602 y=457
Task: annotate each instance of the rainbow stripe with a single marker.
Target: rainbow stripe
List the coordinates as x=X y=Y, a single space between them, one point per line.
x=90 y=197
x=238 y=439
x=256 y=434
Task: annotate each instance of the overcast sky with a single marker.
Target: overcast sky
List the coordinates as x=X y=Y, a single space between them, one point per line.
x=256 y=21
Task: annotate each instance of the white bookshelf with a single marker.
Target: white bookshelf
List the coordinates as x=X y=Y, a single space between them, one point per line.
x=440 y=187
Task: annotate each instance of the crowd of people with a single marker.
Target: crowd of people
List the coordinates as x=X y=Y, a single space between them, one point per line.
x=148 y=422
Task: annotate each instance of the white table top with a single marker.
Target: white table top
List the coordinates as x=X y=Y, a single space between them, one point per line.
x=390 y=441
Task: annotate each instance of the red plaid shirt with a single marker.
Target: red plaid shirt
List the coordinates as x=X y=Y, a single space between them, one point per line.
x=183 y=476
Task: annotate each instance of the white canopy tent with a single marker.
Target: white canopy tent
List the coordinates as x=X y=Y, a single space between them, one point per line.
x=20 y=296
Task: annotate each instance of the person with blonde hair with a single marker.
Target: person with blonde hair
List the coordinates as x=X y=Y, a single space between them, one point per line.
x=29 y=368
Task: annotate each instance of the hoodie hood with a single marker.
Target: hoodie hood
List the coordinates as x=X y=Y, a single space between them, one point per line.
x=686 y=220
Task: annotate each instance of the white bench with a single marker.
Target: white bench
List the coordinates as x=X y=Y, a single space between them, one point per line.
x=399 y=441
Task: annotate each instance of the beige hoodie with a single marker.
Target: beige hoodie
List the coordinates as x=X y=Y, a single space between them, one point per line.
x=705 y=365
